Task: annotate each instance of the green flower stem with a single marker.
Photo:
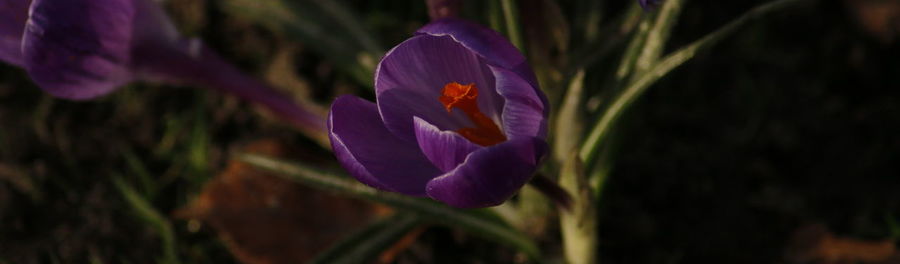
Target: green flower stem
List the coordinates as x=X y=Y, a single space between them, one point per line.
x=578 y=225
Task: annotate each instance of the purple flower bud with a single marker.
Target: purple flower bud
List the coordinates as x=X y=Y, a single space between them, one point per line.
x=79 y=49
x=459 y=118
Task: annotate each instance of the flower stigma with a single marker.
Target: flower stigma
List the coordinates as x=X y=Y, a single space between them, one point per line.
x=463 y=97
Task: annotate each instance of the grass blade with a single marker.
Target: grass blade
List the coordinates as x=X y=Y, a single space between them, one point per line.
x=328 y=28
x=511 y=18
x=474 y=221
x=366 y=244
x=657 y=36
x=149 y=215
x=664 y=66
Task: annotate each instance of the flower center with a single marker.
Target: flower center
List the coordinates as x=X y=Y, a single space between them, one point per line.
x=462 y=97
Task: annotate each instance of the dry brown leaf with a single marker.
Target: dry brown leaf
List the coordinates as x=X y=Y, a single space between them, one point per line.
x=881 y=18
x=816 y=244
x=390 y=254
x=264 y=219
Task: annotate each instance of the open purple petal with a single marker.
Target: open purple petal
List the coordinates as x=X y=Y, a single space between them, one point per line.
x=420 y=67
x=483 y=41
x=398 y=107
x=490 y=175
x=373 y=155
x=13 y=14
x=79 y=49
x=524 y=113
x=445 y=149
x=488 y=44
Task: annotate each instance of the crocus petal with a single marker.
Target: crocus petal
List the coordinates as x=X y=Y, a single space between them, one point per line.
x=489 y=175
x=485 y=42
x=152 y=27
x=524 y=113
x=421 y=66
x=488 y=44
x=13 y=14
x=373 y=155
x=79 y=49
x=445 y=149
x=398 y=107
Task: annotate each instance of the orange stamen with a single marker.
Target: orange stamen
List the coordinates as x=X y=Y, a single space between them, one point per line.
x=463 y=97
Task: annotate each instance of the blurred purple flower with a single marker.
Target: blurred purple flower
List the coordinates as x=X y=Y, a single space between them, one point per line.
x=649 y=4
x=82 y=49
x=459 y=118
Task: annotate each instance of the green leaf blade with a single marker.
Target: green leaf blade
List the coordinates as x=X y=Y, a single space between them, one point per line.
x=640 y=84
x=473 y=221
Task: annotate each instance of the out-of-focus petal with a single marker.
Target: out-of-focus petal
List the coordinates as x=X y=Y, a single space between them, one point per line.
x=489 y=175
x=648 y=4
x=79 y=49
x=438 y=9
x=421 y=66
x=488 y=44
x=524 y=113
x=445 y=149
x=152 y=26
x=13 y=14
x=371 y=153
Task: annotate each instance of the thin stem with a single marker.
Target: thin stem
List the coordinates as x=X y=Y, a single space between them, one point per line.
x=354 y=27
x=145 y=211
x=553 y=191
x=511 y=18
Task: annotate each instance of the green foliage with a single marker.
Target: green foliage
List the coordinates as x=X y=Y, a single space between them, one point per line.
x=329 y=27
x=639 y=85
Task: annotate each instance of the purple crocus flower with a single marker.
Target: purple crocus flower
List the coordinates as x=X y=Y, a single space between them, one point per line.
x=83 y=49
x=459 y=118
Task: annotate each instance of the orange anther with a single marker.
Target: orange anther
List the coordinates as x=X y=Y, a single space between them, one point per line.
x=463 y=97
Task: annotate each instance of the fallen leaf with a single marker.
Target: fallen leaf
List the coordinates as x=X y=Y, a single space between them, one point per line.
x=265 y=219
x=880 y=18
x=816 y=244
